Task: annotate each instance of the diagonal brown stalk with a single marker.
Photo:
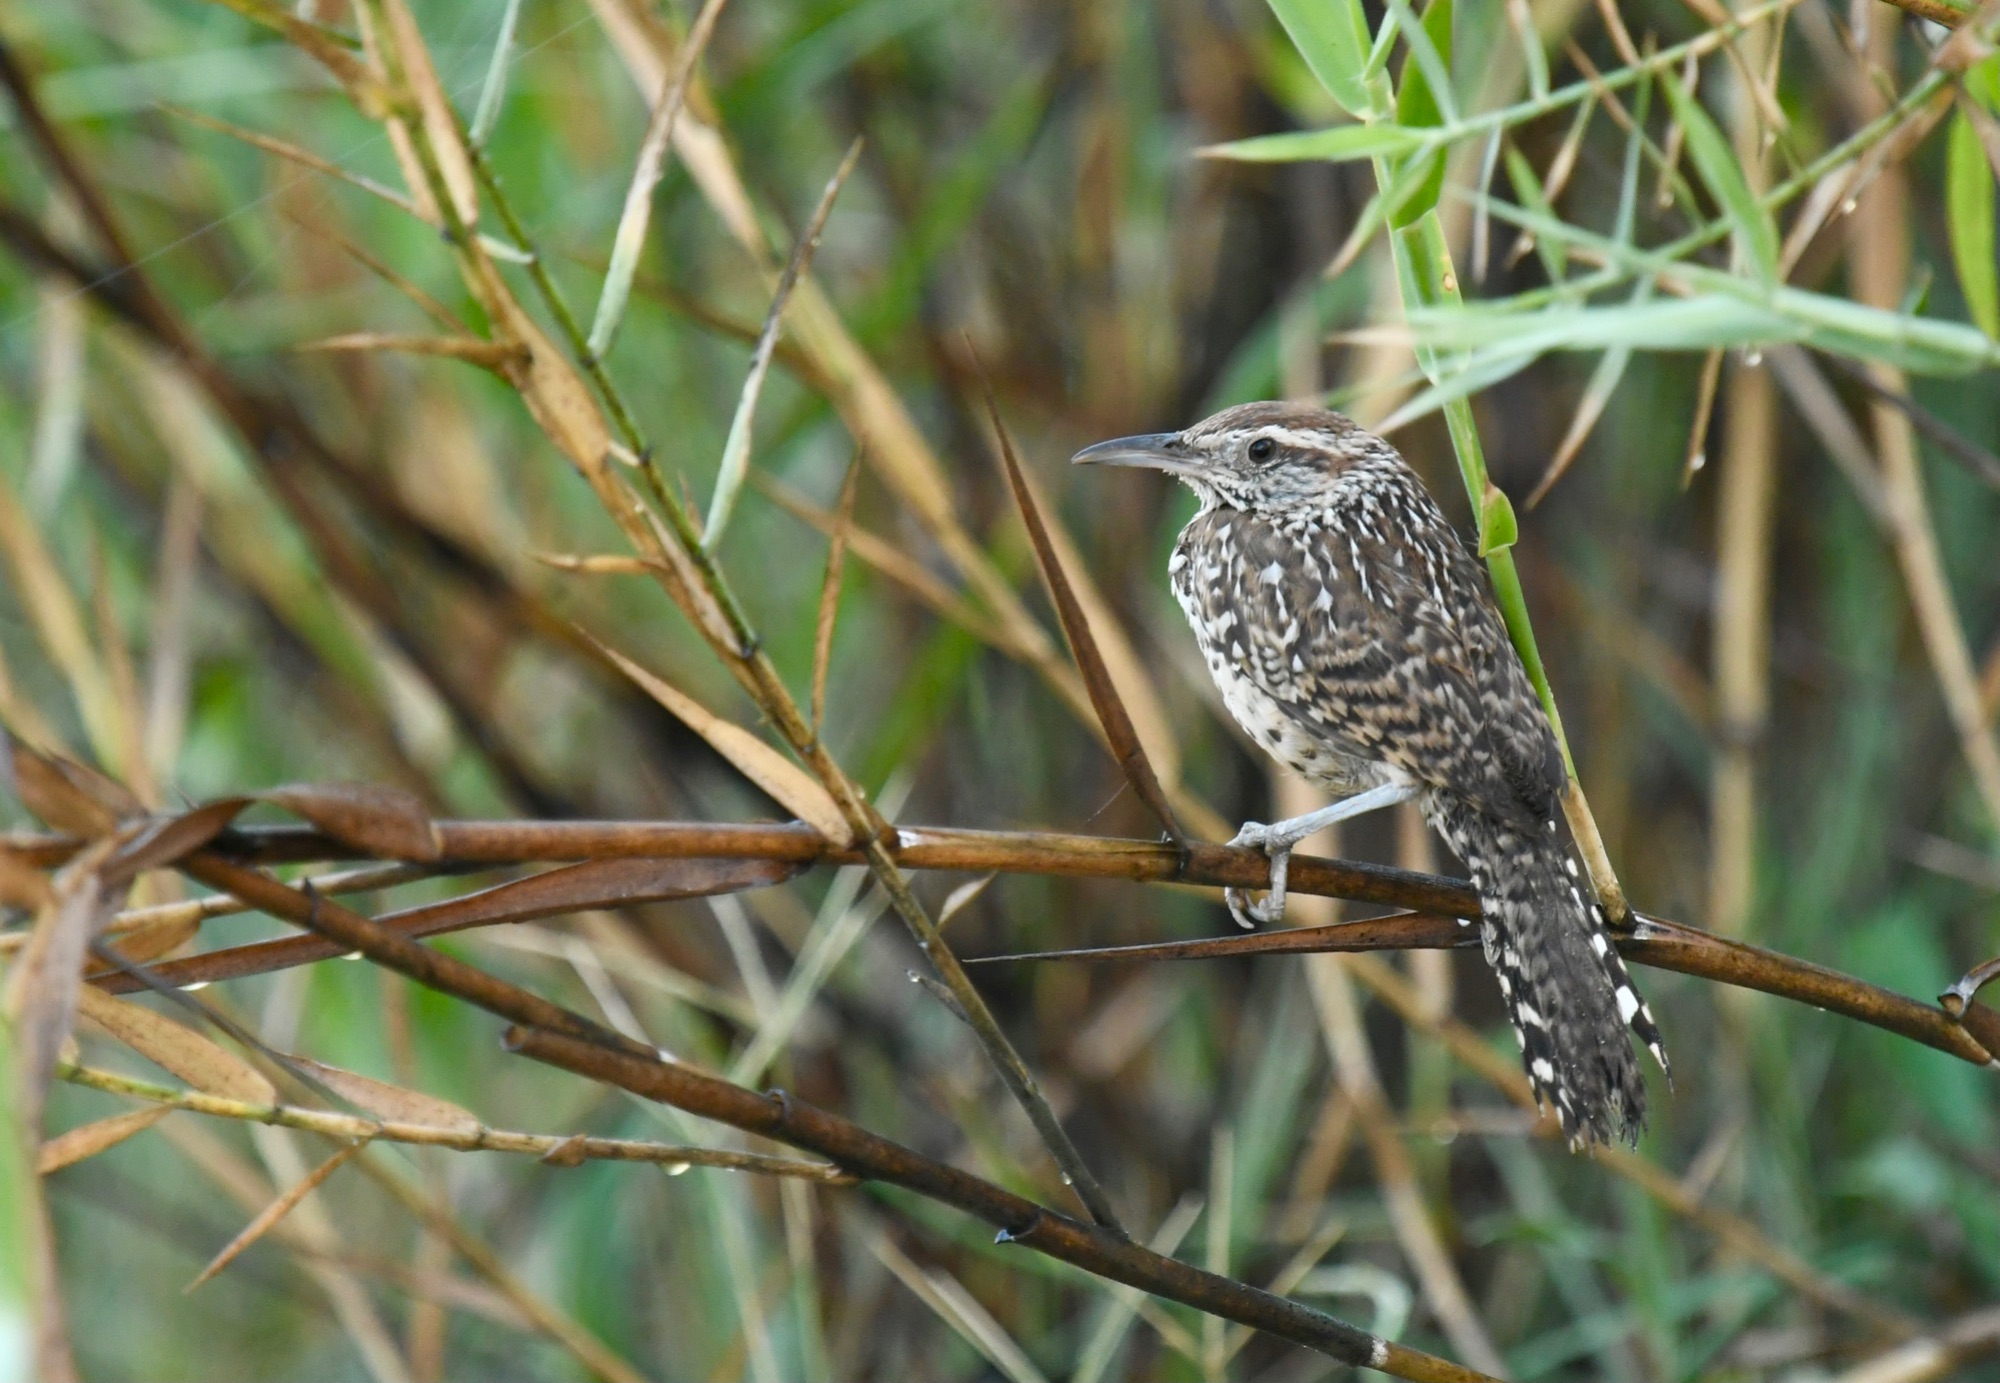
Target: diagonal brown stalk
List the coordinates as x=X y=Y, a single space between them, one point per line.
x=1119 y=731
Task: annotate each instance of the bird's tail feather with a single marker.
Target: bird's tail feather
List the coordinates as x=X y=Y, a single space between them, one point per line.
x=1568 y=995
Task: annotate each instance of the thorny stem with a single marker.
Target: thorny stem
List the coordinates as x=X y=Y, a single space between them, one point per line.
x=743 y=653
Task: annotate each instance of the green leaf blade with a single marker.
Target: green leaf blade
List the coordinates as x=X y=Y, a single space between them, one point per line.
x=1339 y=144
x=1751 y=222
x=1969 y=210
x=1332 y=38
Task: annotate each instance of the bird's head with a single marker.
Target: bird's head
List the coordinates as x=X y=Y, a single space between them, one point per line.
x=1255 y=456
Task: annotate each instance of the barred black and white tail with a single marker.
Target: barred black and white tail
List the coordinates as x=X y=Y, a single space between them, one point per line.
x=1567 y=992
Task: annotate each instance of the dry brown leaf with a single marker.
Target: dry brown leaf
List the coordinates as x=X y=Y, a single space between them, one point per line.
x=161 y=841
x=181 y=1050
x=65 y=794
x=798 y=791
x=373 y=817
x=21 y=884
x=392 y=1103
x=44 y=981
x=829 y=591
x=274 y=1212
x=1105 y=694
x=149 y=941
x=93 y=1138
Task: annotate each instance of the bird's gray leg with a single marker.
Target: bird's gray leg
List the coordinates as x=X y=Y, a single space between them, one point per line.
x=1278 y=838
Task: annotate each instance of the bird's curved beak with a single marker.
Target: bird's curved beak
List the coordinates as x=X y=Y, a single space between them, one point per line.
x=1158 y=451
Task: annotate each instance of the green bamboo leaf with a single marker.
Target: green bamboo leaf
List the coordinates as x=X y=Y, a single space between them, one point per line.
x=1528 y=187
x=1339 y=144
x=1968 y=201
x=1482 y=372
x=1420 y=103
x=1755 y=229
x=1982 y=82
x=1498 y=528
x=1332 y=38
x=1923 y=345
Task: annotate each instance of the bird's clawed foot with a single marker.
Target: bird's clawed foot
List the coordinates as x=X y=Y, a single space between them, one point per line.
x=1277 y=843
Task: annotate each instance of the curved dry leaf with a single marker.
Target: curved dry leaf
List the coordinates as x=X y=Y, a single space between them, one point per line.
x=611 y=883
x=163 y=840
x=1113 y=714
x=798 y=791
x=43 y=983
x=373 y=817
x=93 y=1138
x=63 y=793
x=391 y=1103
x=961 y=897
x=149 y=941
x=183 y=1051
x=21 y=884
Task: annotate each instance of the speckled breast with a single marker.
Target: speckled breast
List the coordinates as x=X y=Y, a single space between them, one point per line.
x=1202 y=583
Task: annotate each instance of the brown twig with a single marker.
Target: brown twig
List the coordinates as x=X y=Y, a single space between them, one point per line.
x=781 y=1117
x=551 y=1033
x=1972 y=1036
x=1119 y=731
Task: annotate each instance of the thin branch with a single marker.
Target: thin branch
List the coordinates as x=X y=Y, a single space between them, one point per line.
x=563 y=1038
x=1972 y=1036
x=562 y=1150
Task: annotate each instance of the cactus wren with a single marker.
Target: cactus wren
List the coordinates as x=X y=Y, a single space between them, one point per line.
x=1353 y=637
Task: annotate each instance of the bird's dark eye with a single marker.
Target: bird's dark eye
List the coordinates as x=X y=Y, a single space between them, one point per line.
x=1261 y=449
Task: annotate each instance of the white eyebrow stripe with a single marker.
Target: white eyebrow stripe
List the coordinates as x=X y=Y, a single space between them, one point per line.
x=1314 y=439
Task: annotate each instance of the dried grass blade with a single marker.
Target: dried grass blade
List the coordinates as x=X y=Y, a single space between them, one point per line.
x=638 y=212
x=368 y=260
x=962 y=897
x=1116 y=1318
x=736 y=446
x=1603 y=383
x=956 y=1307
x=892 y=562
x=1112 y=715
x=331 y=49
x=293 y=153
x=596 y=564
x=829 y=591
x=1704 y=409
x=798 y=791
x=494 y=93
x=491 y=354
x=95 y=1137
x=272 y=1213
x=59 y=624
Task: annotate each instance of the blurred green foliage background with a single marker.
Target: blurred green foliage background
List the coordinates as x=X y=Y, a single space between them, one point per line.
x=1028 y=189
